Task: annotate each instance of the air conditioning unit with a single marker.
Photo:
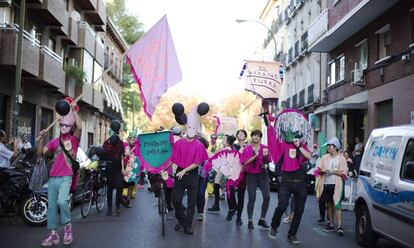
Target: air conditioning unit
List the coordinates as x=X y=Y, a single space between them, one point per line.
x=357 y=76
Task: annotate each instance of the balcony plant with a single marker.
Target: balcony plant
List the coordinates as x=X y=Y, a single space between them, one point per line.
x=76 y=73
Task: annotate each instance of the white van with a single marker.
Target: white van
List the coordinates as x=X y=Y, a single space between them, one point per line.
x=384 y=204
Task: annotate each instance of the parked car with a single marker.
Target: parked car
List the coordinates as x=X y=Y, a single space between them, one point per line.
x=385 y=188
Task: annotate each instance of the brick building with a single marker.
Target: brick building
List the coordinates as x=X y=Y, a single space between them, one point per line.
x=57 y=34
x=370 y=71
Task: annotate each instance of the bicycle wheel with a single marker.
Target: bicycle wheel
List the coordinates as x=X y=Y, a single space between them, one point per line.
x=86 y=199
x=101 y=197
x=162 y=210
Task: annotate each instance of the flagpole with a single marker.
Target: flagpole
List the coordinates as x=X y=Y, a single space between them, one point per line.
x=108 y=69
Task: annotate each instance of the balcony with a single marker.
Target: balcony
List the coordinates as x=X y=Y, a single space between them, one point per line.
x=317 y=28
x=52 y=12
x=73 y=32
x=86 y=37
x=51 y=69
x=88 y=4
x=99 y=52
x=8 y=50
x=358 y=16
x=98 y=15
x=98 y=100
x=86 y=90
x=64 y=29
x=5 y=3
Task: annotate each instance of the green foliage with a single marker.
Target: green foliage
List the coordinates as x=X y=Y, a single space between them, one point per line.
x=131 y=29
x=75 y=72
x=130 y=99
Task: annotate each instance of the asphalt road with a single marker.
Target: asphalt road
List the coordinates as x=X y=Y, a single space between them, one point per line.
x=140 y=226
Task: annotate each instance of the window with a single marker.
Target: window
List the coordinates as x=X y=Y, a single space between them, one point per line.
x=46 y=118
x=88 y=66
x=295 y=101
x=97 y=72
x=412 y=24
x=341 y=72
x=332 y=73
x=407 y=167
x=384 y=42
x=384 y=113
x=302 y=98
x=362 y=54
x=310 y=94
x=5 y=16
x=90 y=139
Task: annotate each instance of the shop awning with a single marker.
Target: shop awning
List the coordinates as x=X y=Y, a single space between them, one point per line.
x=118 y=102
x=357 y=101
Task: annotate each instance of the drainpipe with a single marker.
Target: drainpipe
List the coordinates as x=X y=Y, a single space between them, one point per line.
x=18 y=75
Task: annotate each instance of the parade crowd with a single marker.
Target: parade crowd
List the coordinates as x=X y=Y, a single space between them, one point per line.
x=191 y=174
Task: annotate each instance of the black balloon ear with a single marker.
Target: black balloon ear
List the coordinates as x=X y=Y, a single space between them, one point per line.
x=203 y=108
x=115 y=125
x=62 y=107
x=181 y=119
x=177 y=108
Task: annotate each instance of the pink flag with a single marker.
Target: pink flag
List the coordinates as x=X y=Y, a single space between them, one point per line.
x=154 y=64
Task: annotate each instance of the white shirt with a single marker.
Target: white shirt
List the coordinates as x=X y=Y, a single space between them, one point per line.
x=25 y=145
x=333 y=165
x=5 y=156
x=358 y=148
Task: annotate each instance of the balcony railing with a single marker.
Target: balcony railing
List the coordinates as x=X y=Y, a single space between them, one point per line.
x=8 y=49
x=5 y=3
x=86 y=37
x=53 y=55
x=318 y=27
x=51 y=68
x=50 y=11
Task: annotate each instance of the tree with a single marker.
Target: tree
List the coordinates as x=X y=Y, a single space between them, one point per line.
x=131 y=29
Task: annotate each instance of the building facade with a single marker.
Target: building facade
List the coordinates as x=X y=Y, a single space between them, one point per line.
x=58 y=35
x=369 y=80
x=304 y=71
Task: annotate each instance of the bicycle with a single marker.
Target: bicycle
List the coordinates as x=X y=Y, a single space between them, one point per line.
x=94 y=191
x=157 y=181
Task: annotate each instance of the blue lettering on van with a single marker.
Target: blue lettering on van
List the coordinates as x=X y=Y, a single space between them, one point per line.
x=385 y=152
x=383 y=198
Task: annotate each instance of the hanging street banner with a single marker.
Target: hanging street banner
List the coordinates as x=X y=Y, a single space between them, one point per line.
x=263 y=78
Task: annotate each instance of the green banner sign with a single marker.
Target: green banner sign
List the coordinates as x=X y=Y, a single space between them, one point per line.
x=155 y=148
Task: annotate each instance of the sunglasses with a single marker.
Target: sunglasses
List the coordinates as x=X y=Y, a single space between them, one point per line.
x=65 y=125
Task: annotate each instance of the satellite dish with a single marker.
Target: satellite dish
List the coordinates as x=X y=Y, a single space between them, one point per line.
x=75 y=16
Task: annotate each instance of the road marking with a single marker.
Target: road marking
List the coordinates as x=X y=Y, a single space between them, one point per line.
x=319 y=231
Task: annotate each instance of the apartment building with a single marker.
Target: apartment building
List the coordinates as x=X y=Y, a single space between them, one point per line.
x=57 y=34
x=369 y=81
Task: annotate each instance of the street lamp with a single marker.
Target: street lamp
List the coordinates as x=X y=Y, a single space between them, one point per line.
x=268 y=29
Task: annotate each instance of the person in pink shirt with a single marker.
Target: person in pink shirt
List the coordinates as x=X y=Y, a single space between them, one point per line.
x=289 y=156
x=188 y=154
x=64 y=149
x=254 y=158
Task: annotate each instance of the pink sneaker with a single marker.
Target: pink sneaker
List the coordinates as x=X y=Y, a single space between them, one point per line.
x=51 y=240
x=67 y=235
